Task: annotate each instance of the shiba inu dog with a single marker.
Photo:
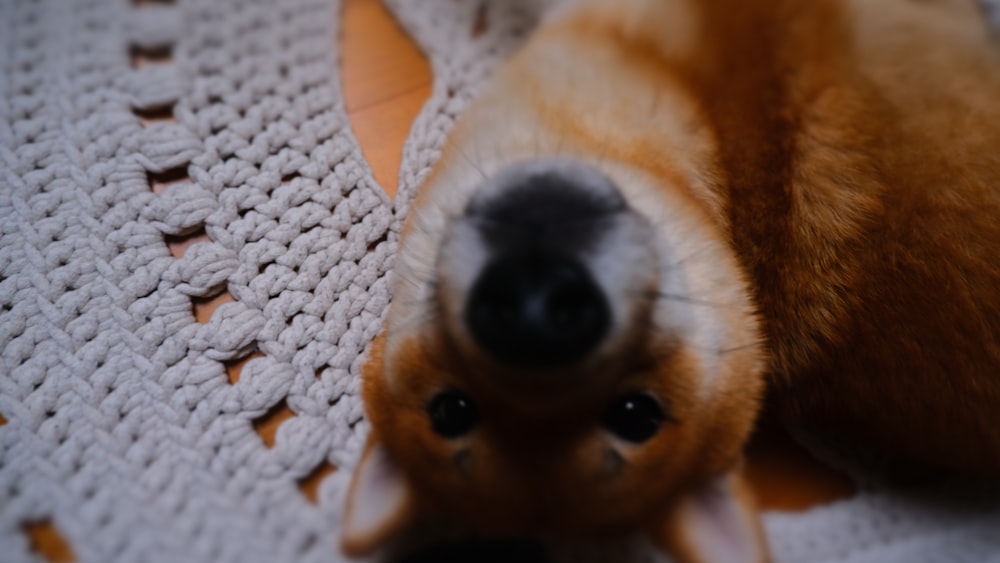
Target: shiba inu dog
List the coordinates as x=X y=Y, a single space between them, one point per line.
x=661 y=212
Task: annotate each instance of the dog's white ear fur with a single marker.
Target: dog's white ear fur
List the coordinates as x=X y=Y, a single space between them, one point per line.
x=379 y=502
x=714 y=523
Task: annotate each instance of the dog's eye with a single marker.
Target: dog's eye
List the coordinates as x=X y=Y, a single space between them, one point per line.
x=452 y=414
x=634 y=418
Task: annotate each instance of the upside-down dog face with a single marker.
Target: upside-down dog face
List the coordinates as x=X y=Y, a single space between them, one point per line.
x=571 y=347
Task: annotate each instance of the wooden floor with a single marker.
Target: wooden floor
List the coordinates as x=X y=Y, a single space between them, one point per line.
x=386 y=80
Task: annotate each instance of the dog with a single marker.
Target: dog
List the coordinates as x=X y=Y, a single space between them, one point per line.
x=662 y=215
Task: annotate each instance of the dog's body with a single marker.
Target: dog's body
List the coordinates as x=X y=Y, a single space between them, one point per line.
x=797 y=195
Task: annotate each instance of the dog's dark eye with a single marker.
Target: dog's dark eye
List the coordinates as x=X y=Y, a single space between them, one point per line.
x=634 y=418
x=452 y=414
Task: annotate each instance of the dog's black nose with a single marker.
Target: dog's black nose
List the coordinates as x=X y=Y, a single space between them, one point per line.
x=537 y=309
x=548 y=199
x=535 y=304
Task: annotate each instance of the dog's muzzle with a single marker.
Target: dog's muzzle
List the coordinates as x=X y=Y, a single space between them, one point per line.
x=535 y=303
x=540 y=263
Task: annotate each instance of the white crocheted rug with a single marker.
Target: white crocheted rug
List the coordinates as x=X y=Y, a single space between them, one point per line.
x=121 y=425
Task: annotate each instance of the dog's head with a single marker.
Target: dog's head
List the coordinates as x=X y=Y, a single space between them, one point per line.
x=570 y=350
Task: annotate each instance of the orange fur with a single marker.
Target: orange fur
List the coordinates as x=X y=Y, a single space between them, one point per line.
x=829 y=173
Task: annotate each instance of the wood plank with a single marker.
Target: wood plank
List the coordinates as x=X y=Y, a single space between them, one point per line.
x=381 y=130
x=386 y=80
x=379 y=61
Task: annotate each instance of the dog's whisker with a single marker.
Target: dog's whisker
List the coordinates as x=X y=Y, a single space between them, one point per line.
x=429 y=280
x=693 y=300
x=538 y=142
x=656 y=295
x=731 y=349
x=720 y=351
x=427 y=318
x=423 y=222
x=654 y=104
x=477 y=148
x=465 y=156
x=693 y=254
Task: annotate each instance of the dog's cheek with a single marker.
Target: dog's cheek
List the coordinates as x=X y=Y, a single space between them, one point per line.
x=379 y=502
x=717 y=522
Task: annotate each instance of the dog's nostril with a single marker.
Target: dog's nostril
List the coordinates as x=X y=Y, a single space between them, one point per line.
x=537 y=310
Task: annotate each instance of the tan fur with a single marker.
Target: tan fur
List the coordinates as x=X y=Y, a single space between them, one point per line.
x=827 y=173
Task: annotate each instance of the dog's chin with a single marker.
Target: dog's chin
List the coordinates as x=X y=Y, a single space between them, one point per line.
x=545 y=281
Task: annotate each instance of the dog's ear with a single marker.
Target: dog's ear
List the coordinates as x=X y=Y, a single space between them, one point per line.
x=379 y=502
x=714 y=523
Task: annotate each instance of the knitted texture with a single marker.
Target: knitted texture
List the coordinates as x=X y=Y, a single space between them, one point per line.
x=122 y=427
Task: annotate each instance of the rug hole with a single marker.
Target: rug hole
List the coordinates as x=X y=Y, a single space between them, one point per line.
x=204 y=307
x=375 y=243
x=178 y=244
x=309 y=485
x=3 y=420
x=159 y=114
x=235 y=367
x=48 y=542
x=266 y=426
x=160 y=181
x=145 y=56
